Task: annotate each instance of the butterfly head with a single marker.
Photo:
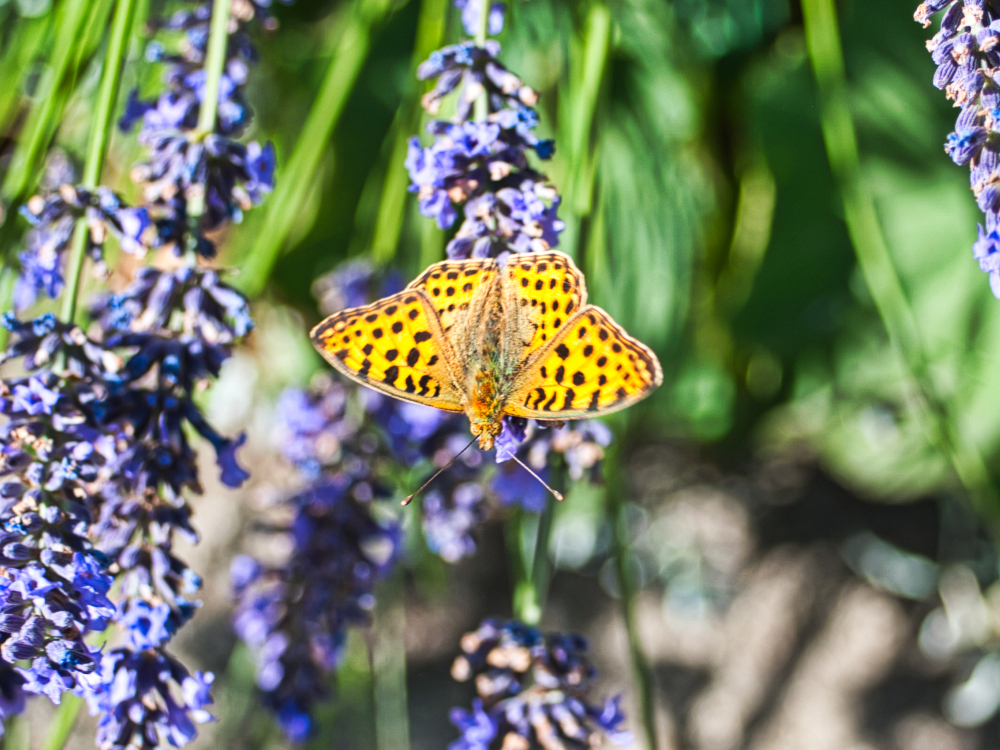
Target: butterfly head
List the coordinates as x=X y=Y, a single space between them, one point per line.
x=484 y=407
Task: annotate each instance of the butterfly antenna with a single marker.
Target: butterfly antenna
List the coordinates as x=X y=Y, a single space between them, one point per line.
x=557 y=495
x=447 y=465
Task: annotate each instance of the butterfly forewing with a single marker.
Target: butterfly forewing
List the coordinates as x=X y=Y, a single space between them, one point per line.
x=591 y=367
x=451 y=285
x=541 y=292
x=394 y=345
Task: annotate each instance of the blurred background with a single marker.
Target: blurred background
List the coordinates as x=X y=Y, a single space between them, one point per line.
x=804 y=568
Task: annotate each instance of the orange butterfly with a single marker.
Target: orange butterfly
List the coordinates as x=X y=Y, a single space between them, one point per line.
x=493 y=341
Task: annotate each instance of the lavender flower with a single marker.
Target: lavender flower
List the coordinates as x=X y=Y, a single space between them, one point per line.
x=146 y=699
x=181 y=325
x=221 y=176
x=296 y=617
x=966 y=53
x=12 y=697
x=580 y=445
x=470 y=16
x=53 y=217
x=509 y=207
x=534 y=691
x=53 y=584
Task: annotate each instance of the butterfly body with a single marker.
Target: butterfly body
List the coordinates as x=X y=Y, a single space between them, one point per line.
x=492 y=341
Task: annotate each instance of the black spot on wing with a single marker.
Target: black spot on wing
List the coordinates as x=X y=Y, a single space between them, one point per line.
x=391 y=309
x=563 y=351
x=413 y=356
x=411 y=387
x=392 y=354
x=421 y=336
x=560 y=374
x=578 y=378
x=621 y=393
x=397 y=327
x=568 y=401
x=594 y=398
x=424 y=384
x=391 y=375
x=548 y=404
x=377 y=333
x=365 y=367
x=367 y=348
x=371 y=317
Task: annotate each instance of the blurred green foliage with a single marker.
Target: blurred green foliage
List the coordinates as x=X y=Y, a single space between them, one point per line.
x=698 y=197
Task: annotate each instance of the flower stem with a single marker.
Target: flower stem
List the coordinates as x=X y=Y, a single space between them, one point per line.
x=482 y=110
x=392 y=206
x=350 y=42
x=528 y=544
x=823 y=42
x=392 y=725
x=215 y=61
x=99 y=139
x=618 y=520
x=62 y=723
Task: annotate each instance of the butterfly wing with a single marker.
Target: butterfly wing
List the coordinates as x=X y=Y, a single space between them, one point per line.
x=451 y=287
x=541 y=292
x=396 y=346
x=590 y=367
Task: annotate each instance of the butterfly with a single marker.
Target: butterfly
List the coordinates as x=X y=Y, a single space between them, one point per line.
x=493 y=340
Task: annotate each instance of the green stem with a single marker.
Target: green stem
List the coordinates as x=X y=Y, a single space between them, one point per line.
x=350 y=53
x=100 y=136
x=618 y=519
x=482 y=109
x=215 y=61
x=392 y=207
x=392 y=726
x=596 y=41
x=530 y=557
x=62 y=723
x=823 y=41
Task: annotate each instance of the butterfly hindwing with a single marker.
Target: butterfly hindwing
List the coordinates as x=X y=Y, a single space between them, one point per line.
x=542 y=291
x=591 y=367
x=394 y=345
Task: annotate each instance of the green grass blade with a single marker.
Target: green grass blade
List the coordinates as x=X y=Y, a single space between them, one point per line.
x=350 y=53
x=823 y=42
x=392 y=207
x=99 y=138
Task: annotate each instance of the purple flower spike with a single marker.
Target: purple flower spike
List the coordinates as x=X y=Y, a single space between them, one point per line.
x=534 y=690
x=965 y=51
